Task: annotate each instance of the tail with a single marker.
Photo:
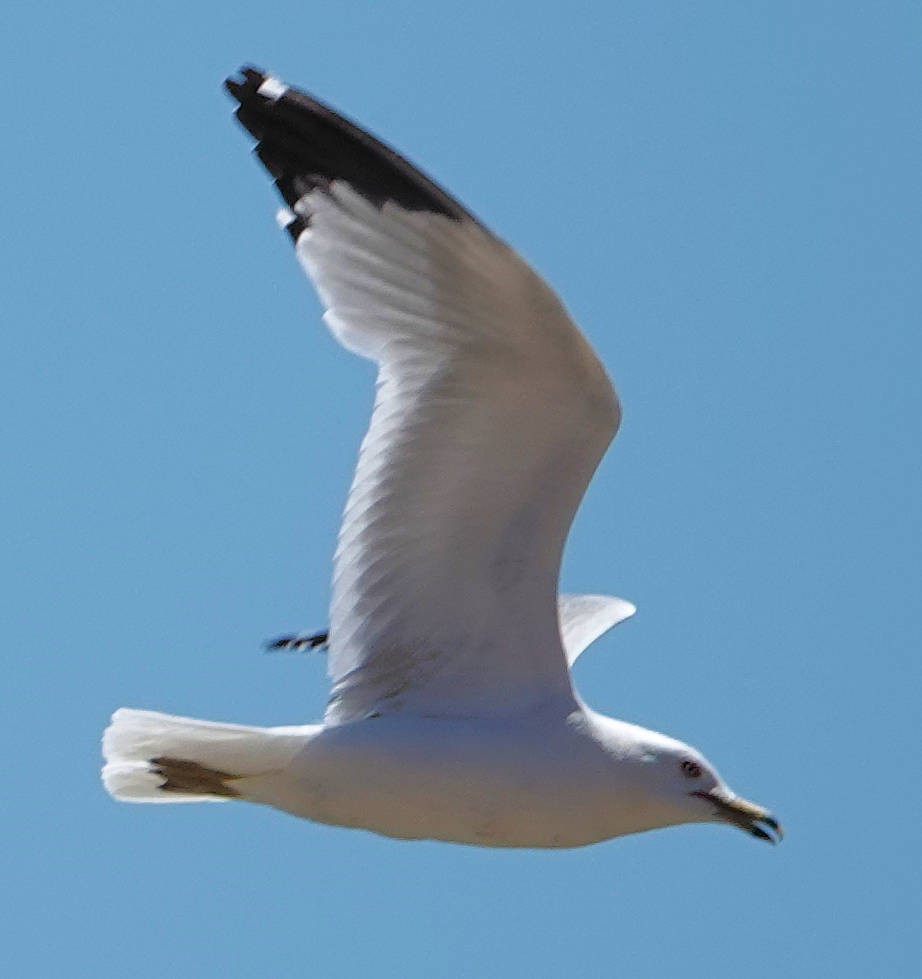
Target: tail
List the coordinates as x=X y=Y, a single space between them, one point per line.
x=153 y=757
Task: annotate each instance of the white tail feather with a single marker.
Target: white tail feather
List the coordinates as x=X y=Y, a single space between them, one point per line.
x=216 y=754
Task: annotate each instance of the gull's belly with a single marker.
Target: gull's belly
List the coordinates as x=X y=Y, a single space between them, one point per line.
x=484 y=783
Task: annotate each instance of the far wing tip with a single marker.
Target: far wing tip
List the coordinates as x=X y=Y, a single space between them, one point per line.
x=247 y=79
x=583 y=618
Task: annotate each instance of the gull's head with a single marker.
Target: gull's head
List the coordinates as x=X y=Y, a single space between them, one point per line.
x=679 y=785
x=692 y=784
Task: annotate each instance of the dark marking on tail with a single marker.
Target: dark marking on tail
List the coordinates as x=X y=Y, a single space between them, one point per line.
x=191 y=778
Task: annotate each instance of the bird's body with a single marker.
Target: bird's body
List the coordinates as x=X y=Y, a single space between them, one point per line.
x=544 y=780
x=453 y=714
x=525 y=782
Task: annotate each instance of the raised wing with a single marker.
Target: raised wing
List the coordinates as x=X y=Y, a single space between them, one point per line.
x=490 y=416
x=583 y=618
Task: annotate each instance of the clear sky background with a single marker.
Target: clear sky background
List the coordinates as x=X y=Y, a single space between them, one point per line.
x=726 y=195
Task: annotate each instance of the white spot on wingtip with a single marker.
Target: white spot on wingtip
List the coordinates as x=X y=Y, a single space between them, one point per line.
x=272 y=88
x=283 y=217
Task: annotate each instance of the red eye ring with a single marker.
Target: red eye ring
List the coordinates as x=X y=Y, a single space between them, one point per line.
x=691 y=768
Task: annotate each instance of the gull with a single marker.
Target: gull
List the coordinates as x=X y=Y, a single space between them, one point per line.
x=453 y=714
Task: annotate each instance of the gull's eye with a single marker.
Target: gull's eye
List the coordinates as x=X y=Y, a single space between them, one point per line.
x=691 y=769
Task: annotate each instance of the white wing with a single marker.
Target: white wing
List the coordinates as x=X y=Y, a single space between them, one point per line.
x=583 y=618
x=491 y=414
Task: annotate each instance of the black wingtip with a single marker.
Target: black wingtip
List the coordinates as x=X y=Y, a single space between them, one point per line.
x=245 y=83
x=304 y=144
x=299 y=642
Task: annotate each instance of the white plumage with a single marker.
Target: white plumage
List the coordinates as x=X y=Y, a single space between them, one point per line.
x=452 y=713
x=490 y=416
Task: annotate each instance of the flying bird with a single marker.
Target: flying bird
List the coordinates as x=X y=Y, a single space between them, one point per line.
x=453 y=714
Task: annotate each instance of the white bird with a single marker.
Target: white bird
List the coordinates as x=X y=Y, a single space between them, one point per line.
x=453 y=714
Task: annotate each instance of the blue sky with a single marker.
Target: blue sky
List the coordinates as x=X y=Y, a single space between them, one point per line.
x=726 y=196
